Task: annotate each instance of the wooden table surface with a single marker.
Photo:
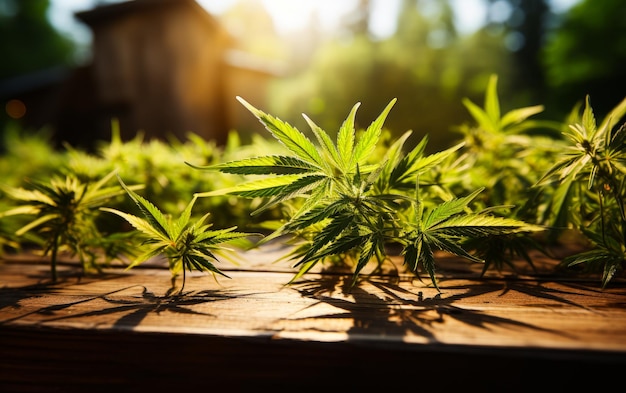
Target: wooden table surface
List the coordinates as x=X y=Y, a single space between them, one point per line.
x=122 y=330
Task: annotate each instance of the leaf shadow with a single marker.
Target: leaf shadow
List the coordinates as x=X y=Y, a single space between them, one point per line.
x=12 y=297
x=132 y=310
x=391 y=310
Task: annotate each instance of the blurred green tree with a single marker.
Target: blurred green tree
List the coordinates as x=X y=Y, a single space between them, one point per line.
x=522 y=26
x=29 y=41
x=586 y=54
x=426 y=65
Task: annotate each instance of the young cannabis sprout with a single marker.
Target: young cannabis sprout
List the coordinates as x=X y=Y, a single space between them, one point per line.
x=505 y=155
x=345 y=202
x=188 y=245
x=591 y=189
x=65 y=212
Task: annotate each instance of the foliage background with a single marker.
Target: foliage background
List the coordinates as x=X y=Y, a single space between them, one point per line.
x=540 y=57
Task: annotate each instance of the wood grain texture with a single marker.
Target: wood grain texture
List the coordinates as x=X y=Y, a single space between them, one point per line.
x=124 y=329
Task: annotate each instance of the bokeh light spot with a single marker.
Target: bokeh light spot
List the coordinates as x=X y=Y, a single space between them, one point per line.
x=15 y=109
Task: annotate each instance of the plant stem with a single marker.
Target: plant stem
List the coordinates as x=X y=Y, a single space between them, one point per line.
x=183 y=284
x=53 y=258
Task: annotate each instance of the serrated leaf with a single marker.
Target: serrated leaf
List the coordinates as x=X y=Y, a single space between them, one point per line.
x=266 y=165
x=300 y=187
x=479 y=115
x=289 y=136
x=328 y=147
x=152 y=214
x=265 y=187
x=426 y=163
x=220 y=236
x=24 y=209
x=22 y=194
x=345 y=244
x=368 y=141
x=449 y=208
x=313 y=216
x=345 y=140
x=477 y=225
x=147 y=255
x=35 y=223
x=492 y=102
x=331 y=232
x=516 y=116
x=588 y=119
x=393 y=157
x=185 y=216
x=414 y=164
x=140 y=224
x=367 y=252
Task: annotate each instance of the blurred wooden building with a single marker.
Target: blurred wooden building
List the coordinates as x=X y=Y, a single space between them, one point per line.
x=164 y=68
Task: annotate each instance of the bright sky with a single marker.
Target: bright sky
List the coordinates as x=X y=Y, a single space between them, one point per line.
x=289 y=14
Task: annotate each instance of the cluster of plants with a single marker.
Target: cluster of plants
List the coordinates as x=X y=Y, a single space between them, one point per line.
x=59 y=203
x=508 y=185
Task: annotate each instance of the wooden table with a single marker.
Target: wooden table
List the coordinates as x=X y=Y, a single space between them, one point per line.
x=122 y=330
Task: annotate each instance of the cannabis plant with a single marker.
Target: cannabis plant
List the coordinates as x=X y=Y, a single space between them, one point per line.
x=187 y=244
x=160 y=167
x=346 y=206
x=506 y=153
x=590 y=179
x=65 y=213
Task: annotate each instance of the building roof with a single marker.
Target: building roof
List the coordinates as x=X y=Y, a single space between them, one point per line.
x=103 y=13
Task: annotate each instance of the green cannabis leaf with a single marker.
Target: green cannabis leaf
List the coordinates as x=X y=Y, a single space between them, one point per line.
x=446 y=227
x=492 y=122
x=187 y=245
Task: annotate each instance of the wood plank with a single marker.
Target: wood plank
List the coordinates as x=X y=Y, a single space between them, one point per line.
x=320 y=322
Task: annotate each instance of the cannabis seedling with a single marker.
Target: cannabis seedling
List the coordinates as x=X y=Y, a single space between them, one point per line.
x=506 y=159
x=349 y=206
x=65 y=211
x=591 y=189
x=503 y=153
x=186 y=244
